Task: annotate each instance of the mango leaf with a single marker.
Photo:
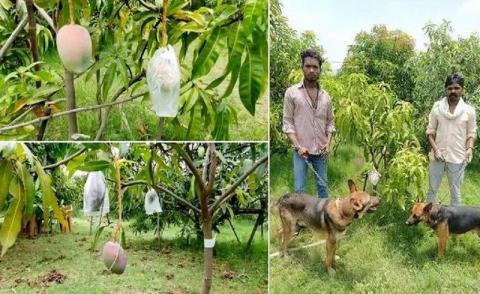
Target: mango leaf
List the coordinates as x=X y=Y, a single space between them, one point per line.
x=28 y=188
x=13 y=219
x=209 y=53
x=96 y=165
x=191 y=191
x=240 y=196
x=98 y=233
x=108 y=80
x=5 y=178
x=251 y=81
x=49 y=199
x=253 y=9
x=252 y=183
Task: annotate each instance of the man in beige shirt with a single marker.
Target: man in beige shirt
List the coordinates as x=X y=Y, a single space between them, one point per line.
x=451 y=133
x=309 y=124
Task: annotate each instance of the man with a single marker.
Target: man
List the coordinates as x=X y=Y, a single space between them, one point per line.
x=309 y=124
x=451 y=132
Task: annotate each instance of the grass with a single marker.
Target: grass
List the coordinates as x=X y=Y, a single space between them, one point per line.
x=166 y=266
x=135 y=121
x=374 y=257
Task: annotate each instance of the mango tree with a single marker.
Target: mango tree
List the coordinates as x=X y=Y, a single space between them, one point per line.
x=371 y=116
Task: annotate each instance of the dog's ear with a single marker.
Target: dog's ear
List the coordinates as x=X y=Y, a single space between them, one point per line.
x=352 y=186
x=428 y=207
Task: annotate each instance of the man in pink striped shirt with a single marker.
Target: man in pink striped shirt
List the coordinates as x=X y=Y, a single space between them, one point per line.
x=308 y=122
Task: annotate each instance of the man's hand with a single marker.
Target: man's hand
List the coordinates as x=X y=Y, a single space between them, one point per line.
x=468 y=155
x=438 y=155
x=325 y=150
x=303 y=152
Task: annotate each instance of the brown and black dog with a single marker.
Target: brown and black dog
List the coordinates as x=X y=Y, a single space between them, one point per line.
x=446 y=220
x=324 y=216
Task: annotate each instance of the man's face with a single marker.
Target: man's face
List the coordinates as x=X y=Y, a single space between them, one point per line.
x=311 y=69
x=454 y=92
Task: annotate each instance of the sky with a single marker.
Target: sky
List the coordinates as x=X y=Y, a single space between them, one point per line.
x=336 y=22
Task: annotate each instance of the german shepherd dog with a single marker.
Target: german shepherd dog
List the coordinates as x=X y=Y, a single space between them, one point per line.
x=323 y=216
x=446 y=220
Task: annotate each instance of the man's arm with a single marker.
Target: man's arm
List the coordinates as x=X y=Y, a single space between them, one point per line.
x=471 y=134
x=431 y=134
x=289 y=125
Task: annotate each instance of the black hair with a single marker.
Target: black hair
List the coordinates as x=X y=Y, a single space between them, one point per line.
x=311 y=53
x=454 y=78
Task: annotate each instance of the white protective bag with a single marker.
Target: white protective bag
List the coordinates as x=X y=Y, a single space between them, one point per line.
x=163 y=78
x=95 y=195
x=152 y=204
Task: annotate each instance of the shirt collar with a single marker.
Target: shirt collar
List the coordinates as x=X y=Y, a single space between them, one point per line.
x=300 y=85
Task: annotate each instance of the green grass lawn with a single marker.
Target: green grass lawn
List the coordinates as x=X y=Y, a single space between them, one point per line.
x=135 y=121
x=165 y=266
x=379 y=253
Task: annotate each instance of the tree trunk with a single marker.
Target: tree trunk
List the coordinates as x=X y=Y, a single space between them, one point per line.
x=161 y=125
x=208 y=258
x=32 y=36
x=72 y=117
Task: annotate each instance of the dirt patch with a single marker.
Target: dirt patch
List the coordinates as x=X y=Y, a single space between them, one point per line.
x=53 y=277
x=43 y=281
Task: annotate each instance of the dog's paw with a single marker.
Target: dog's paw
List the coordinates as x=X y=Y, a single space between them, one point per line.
x=331 y=271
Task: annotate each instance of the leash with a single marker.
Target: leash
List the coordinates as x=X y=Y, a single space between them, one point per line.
x=322 y=181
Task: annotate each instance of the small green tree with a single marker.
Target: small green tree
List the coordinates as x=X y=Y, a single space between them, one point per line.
x=381 y=55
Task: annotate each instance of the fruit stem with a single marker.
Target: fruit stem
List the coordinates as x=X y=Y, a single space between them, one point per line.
x=164 y=23
x=70 y=11
x=118 y=228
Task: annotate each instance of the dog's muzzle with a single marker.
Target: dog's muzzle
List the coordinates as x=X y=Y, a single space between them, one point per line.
x=412 y=221
x=372 y=204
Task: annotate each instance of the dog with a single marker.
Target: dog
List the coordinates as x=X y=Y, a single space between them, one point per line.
x=31 y=226
x=446 y=220
x=323 y=216
x=67 y=212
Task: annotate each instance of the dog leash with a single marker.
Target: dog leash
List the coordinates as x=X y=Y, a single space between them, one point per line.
x=322 y=181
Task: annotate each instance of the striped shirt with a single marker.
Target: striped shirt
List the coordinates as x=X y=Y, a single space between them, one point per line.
x=310 y=125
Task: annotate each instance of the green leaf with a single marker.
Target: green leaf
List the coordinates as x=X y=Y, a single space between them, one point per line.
x=5 y=178
x=209 y=53
x=252 y=183
x=96 y=165
x=98 y=233
x=191 y=191
x=251 y=81
x=240 y=196
x=28 y=188
x=49 y=199
x=13 y=220
x=108 y=80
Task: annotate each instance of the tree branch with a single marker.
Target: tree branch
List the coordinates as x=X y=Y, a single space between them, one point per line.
x=74 y=155
x=13 y=36
x=81 y=109
x=213 y=168
x=45 y=16
x=229 y=192
x=188 y=160
x=165 y=190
